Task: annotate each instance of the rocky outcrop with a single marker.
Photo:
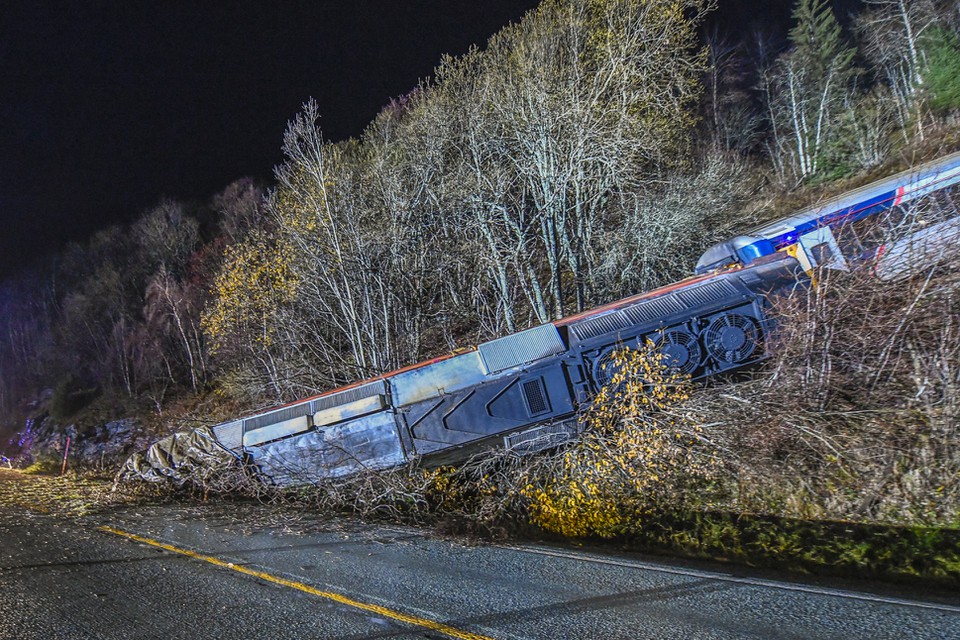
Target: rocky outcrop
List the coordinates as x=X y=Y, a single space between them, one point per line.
x=99 y=445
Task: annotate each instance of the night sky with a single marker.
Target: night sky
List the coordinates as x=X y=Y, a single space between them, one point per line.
x=107 y=107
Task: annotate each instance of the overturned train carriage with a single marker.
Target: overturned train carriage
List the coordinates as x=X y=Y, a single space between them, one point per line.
x=522 y=391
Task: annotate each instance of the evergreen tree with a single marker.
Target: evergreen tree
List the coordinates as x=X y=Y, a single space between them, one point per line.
x=817 y=39
x=941 y=51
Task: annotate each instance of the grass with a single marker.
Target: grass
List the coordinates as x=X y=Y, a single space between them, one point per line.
x=814 y=547
x=71 y=495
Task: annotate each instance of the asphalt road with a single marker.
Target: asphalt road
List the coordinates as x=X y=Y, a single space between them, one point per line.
x=232 y=571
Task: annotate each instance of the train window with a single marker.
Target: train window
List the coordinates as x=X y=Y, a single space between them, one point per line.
x=821 y=253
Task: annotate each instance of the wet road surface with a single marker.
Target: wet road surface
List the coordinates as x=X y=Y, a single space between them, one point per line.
x=226 y=571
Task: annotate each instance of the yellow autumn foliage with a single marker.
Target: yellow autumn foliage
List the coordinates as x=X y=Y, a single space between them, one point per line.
x=255 y=280
x=639 y=450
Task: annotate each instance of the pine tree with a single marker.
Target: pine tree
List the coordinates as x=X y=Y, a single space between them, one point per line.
x=818 y=40
x=941 y=50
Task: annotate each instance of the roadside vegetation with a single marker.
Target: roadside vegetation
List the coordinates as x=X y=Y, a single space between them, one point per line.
x=841 y=455
x=70 y=496
x=588 y=152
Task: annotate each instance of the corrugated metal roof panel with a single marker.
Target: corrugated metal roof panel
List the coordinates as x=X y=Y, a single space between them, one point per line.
x=278 y=415
x=521 y=348
x=707 y=293
x=655 y=309
x=599 y=325
x=370 y=389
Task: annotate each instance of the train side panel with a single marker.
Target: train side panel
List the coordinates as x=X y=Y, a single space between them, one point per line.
x=362 y=444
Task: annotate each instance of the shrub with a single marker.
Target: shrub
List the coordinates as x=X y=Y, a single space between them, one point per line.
x=640 y=451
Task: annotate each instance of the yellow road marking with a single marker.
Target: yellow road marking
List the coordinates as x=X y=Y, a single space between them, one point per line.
x=329 y=595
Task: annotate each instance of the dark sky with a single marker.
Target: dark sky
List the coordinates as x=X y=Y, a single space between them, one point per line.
x=106 y=107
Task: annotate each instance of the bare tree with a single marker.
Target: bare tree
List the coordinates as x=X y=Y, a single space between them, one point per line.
x=173 y=308
x=165 y=236
x=891 y=32
x=807 y=88
x=241 y=207
x=731 y=119
x=600 y=93
x=666 y=224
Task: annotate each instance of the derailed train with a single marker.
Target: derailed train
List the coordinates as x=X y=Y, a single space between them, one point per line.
x=522 y=391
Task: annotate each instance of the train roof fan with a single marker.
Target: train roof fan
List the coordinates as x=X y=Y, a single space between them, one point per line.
x=680 y=349
x=731 y=338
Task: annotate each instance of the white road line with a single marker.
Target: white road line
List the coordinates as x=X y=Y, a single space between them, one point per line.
x=723 y=577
